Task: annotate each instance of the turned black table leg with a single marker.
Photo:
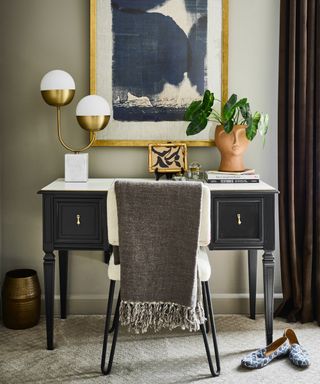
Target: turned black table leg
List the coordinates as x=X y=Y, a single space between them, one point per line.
x=48 y=267
x=268 y=283
x=252 y=269
x=63 y=273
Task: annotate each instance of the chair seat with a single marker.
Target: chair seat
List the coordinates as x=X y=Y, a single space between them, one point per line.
x=113 y=270
x=203 y=264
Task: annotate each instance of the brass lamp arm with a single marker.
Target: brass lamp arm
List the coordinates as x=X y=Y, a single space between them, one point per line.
x=62 y=141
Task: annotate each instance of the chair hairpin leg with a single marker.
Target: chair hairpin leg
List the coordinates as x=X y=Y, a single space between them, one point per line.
x=114 y=318
x=107 y=370
x=205 y=306
x=207 y=301
x=214 y=372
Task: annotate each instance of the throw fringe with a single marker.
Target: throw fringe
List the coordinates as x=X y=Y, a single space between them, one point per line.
x=140 y=316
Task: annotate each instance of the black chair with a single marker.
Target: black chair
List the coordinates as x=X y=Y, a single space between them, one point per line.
x=204 y=273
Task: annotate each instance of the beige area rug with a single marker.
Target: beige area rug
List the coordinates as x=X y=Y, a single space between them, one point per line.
x=168 y=358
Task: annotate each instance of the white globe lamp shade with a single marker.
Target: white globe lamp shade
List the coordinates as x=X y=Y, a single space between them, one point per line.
x=57 y=79
x=93 y=105
x=57 y=87
x=93 y=113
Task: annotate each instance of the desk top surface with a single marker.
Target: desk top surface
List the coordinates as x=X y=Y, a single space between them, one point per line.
x=104 y=184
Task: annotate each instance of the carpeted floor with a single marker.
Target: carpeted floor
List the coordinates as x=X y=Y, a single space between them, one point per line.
x=168 y=358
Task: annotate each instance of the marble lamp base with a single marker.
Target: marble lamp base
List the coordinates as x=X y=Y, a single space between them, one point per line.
x=76 y=167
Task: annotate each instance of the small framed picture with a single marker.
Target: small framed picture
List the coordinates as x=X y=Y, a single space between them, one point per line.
x=168 y=157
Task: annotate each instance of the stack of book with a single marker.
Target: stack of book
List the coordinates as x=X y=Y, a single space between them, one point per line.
x=247 y=176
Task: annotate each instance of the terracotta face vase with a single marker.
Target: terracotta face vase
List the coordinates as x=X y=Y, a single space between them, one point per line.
x=231 y=146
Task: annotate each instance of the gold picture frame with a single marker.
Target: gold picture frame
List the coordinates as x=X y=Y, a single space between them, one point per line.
x=167 y=157
x=94 y=84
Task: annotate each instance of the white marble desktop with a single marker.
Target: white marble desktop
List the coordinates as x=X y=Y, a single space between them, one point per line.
x=261 y=186
x=90 y=185
x=104 y=185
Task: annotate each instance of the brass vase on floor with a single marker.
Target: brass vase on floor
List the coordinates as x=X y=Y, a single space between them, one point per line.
x=21 y=299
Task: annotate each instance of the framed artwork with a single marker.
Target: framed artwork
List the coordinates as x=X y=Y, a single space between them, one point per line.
x=165 y=158
x=150 y=59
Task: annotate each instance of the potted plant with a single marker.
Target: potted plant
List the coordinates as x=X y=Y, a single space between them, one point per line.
x=237 y=126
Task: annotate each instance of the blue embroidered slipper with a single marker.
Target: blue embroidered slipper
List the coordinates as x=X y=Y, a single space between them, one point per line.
x=297 y=355
x=262 y=357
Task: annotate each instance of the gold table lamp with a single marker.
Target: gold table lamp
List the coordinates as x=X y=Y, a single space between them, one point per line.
x=93 y=114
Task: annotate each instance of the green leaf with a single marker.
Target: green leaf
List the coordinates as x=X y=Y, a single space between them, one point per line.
x=252 y=127
x=231 y=102
x=263 y=124
x=245 y=111
x=208 y=100
x=263 y=127
x=192 y=110
x=197 y=124
x=241 y=103
x=228 y=126
x=198 y=113
x=256 y=118
x=228 y=110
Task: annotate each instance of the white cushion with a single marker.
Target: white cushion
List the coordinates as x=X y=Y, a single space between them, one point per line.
x=113 y=270
x=112 y=217
x=203 y=266
x=205 y=220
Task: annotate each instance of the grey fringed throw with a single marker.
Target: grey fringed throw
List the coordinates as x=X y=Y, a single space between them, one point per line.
x=158 y=242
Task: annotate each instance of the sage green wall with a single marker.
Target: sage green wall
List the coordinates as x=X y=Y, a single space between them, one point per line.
x=40 y=35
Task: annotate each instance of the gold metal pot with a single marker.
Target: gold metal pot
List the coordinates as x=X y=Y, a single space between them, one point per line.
x=21 y=299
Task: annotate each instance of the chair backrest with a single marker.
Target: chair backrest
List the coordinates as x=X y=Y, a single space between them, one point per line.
x=205 y=217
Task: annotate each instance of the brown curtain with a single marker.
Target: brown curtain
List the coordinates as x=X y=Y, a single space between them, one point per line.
x=299 y=159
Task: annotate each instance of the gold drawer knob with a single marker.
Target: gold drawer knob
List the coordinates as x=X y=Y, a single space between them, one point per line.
x=239 y=218
x=78 y=220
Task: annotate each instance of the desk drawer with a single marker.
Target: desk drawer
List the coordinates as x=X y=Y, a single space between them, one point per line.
x=77 y=220
x=238 y=219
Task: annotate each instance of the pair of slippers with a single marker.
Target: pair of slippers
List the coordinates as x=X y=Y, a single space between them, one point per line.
x=286 y=345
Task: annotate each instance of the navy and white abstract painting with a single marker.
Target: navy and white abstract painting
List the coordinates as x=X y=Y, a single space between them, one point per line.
x=159 y=58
